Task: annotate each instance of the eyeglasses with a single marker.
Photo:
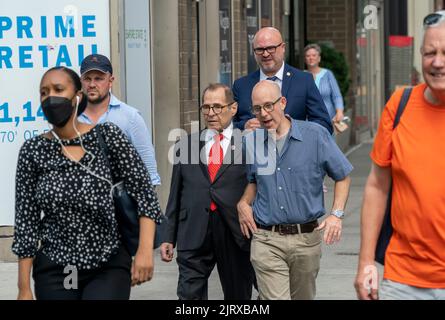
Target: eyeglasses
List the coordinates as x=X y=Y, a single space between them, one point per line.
x=433 y=18
x=217 y=108
x=270 y=49
x=268 y=107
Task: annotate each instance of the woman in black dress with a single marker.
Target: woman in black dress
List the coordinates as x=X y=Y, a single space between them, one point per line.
x=65 y=226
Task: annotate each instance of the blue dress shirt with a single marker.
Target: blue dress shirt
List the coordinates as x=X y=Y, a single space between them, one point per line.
x=130 y=121
x=289 y=186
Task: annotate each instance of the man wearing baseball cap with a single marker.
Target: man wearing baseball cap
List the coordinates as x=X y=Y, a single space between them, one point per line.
x=97 y=79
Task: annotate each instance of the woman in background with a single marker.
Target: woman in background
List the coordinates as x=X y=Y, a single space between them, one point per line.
x=326 y=83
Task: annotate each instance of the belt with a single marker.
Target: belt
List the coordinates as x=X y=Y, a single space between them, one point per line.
x=284 y=229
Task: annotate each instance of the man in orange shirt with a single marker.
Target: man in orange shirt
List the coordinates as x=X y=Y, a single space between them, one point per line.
x=412 y=156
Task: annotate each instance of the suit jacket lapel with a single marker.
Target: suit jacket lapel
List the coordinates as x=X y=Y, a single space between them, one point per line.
x=254 y=79
x=234 y=153
x=287 y=78
x=203 y=166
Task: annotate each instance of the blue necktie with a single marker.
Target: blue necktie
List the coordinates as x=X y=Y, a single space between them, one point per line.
x=274 y=78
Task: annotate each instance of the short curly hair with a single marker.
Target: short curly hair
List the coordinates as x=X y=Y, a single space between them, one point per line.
x=312 y=46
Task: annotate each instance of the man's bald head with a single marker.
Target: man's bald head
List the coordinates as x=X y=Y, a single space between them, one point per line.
x=269 y=50
x=268 y=104
x=268 y=33
x=271 y=88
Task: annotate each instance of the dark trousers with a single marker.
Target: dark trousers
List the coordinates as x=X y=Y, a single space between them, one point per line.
x=112 y=281
x=235 y=270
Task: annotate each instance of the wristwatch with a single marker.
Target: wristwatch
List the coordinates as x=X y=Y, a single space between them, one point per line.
x=338 y=213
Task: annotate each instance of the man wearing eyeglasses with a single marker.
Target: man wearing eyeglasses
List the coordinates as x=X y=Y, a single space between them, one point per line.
x=207 y=182
x=409 y=157
x=281 y=208
x=304 y=101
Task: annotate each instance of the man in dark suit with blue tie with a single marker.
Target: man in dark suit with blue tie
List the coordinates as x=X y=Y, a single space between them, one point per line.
x=304 y=101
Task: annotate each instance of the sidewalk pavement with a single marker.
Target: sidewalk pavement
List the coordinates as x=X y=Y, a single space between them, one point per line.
x=338 y=262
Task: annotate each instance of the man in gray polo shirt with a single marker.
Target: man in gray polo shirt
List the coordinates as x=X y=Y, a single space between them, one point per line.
x=281 y=207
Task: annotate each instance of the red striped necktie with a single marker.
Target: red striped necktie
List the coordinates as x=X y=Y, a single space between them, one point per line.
x=216 y=157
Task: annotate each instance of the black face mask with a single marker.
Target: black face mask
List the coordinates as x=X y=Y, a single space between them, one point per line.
x=57 y=110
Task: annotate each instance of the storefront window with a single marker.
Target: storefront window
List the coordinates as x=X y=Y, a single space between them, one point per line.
x=225 y=36
x=137 y=55
x=293 y=24
x=266 y=13
x=252 y=28
x=361 y=112
x=369 y=97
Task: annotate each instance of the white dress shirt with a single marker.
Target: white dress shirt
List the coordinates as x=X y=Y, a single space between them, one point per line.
x=225 y=142
x=279 y=75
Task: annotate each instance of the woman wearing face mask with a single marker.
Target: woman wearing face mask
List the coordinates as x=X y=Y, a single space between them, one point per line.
x=326 y=83
x=65 y=226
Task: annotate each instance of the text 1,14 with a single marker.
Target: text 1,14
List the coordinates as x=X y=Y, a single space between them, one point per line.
x=28 y=114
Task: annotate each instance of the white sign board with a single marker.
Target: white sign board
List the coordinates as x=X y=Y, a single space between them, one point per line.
x=138 y=56
x=35 y=36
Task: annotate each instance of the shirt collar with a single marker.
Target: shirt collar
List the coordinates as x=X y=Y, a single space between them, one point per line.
x=114 y=102
x=227 y=133
x=294 y=132
x=279 y=74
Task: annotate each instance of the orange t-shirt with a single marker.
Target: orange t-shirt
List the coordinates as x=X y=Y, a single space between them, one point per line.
x=415 y=150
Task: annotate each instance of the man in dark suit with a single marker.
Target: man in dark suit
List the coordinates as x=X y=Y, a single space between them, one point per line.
x=209 y=177
x=304 y=101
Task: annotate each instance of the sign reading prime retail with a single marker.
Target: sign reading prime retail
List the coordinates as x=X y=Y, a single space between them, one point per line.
x=35 y=36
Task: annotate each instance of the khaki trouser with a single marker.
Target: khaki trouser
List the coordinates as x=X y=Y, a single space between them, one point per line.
x=286 y=266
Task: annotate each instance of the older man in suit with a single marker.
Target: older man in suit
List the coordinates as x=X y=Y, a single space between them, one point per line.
x=304 y=101
x=202 y=216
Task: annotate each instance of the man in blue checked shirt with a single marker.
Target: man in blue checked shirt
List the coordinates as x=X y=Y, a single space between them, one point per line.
x=97 y=78
x=281 y=207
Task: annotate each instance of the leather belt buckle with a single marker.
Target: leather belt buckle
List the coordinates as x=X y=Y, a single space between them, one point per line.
x=285 y=229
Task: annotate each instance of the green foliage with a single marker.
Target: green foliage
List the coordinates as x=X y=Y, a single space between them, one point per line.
x=336 y=62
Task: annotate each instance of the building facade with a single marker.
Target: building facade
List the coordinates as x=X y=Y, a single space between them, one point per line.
x=214 y=44
x=166 y=52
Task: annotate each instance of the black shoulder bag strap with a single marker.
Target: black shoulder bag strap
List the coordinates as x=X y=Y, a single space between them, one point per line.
x=386 y=230
x=129 y=218
x=403 y=102
x=105 y=151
